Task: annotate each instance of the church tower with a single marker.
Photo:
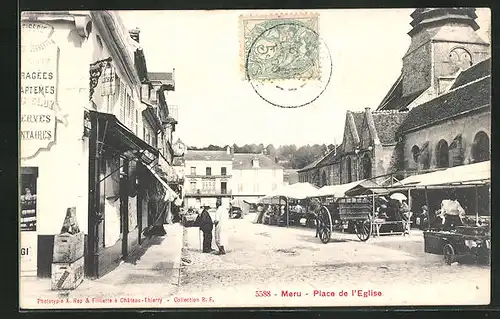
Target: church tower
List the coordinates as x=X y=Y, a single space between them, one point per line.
x=443 y=42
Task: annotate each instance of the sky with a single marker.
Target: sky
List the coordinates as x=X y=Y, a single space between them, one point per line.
x=216 y=106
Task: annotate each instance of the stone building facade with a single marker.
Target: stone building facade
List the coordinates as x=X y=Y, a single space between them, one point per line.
x=436 y=114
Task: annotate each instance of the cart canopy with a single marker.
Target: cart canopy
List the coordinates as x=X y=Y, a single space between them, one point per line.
x=361 y=187
x=471 y=174
x=297 y=191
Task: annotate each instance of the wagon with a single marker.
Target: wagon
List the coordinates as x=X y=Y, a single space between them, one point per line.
x=460 y=244
x=353 y=212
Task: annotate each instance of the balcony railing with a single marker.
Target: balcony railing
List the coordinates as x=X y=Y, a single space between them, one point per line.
x=207 y=176
x=208 y=192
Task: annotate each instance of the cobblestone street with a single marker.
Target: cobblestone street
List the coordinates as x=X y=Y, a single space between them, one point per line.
x=270 y=258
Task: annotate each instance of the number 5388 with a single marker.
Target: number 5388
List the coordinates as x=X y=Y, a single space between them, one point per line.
x=262 y=293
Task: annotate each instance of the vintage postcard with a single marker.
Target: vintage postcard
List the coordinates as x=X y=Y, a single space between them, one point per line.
x=251 y=158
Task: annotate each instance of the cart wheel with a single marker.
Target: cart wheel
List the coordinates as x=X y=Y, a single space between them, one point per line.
x=325 y=235
x=325 y=231
x=449 y=254
x=363 y=229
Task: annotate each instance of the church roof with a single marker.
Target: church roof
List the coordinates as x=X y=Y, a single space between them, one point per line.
x=244 y=161
x=387 y=124
x=312 y=165
x=439 y=16
x=394 y=100
x=470 y=97
x=475 y=72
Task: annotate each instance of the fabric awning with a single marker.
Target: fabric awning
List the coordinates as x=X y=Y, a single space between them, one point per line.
x=115 y=137
x=472 y=174
x=297 y=191
x=361 y=187
x=170 y=194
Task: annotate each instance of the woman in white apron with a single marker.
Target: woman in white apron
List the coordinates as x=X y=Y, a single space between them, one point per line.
x=221 y=215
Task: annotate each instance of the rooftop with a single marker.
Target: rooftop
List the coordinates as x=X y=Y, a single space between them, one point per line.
x=475 y=72
x=394 y=100
x=465 y=98
x=195 y=155
x=161 y=76
x=244 y=161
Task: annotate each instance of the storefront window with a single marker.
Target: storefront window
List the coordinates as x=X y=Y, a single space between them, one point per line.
x=28 y=201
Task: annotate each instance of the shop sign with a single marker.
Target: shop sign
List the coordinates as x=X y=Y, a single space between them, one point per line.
x=38 y=129
x=39 y=60
x=35 y=36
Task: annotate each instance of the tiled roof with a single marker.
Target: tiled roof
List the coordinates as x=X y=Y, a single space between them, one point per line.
x=310 y=166
x=335 y=156
x=244 y=161
x=161 y=76
x=195 y=155
x=475 y=72
x=394 y=100
x=387 y=123
x=450 y=104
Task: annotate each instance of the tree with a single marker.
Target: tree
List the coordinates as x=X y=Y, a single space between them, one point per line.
x=271 y=151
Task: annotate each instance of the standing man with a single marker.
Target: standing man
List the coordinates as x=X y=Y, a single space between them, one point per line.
x=314 y=208
x=220 y=237
x=204 y=222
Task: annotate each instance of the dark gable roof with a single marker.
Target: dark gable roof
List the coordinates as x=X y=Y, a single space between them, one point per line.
x=244 y=161
x=161 y=76
x=394 y=100
x=310 y=166
x=466 y=98
x=192 y=155
x=387 y=124
x=475 y=72
x=335 y=156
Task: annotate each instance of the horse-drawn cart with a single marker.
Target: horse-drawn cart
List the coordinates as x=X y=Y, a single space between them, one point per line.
x=356 y=212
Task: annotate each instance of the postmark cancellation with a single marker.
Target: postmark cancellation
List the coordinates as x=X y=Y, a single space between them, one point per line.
x=280 y=46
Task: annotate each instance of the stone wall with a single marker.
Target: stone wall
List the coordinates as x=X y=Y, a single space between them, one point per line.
x=468 y=126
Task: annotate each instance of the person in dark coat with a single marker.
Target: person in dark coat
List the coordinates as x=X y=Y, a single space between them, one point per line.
x=204 y=221
x=315 y=209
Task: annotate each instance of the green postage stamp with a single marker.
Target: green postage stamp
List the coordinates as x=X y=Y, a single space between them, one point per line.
x=281 y=46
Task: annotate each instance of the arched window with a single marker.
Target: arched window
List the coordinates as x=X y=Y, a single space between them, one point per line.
x=367 y=166
x=415 y=152
x=442 y=154
x=456 y=151
x=481 y=147
x=323 y=179
x=349 y=170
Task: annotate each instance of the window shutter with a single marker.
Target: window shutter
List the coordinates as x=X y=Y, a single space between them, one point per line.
x=122 y=101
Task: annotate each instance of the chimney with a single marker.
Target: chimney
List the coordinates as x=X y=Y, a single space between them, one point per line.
x=228 y=150
x=255 y=162
x=134 y=34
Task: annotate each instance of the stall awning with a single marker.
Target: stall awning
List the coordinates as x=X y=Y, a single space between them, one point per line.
x=116 y=138
x=297 y=191
x=472 y=174
x=170 y=194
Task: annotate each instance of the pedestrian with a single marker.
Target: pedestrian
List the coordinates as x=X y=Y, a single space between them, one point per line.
x=406 y=215
x=206 y=225
x=220 y=235
x=315 y=208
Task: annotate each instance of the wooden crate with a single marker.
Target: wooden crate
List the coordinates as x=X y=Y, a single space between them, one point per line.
x=67 y=276
x=68 y=248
